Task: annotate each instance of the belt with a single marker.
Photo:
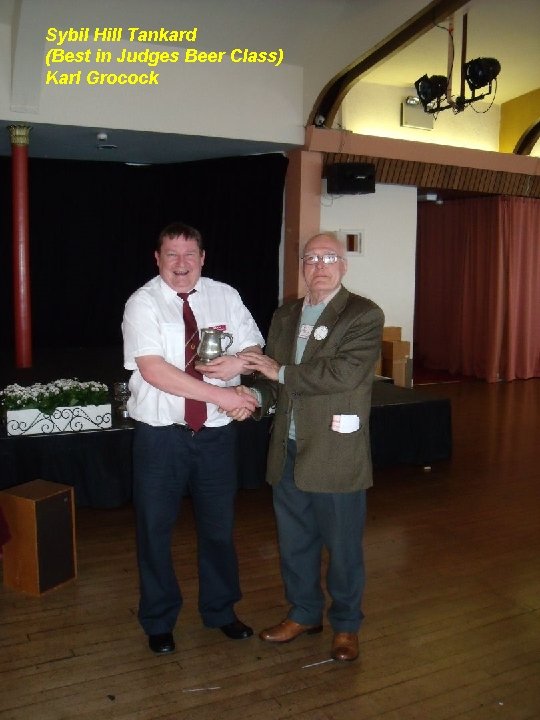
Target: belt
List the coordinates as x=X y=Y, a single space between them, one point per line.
x=186 y=428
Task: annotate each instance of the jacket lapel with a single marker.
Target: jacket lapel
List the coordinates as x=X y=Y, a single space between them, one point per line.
x=289 y=332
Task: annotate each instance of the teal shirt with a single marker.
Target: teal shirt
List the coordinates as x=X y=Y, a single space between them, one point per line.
x=310 y=315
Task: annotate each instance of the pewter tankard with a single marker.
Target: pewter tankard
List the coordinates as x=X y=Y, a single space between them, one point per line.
x=121 y=395
x=210 y=345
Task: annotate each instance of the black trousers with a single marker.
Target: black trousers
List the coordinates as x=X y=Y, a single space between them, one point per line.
x=168 y=463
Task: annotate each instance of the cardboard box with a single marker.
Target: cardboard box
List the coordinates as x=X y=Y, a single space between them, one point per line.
x=400 y=371
x=395 y=350
x=391 y=333
x=395 y=359
x=397 y=371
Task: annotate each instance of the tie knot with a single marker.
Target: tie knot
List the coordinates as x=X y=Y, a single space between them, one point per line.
x=185 y=296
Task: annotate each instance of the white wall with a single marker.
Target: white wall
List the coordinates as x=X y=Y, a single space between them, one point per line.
x=371 y=109
x=240 y=100
x=252 y=102
x=385 y=272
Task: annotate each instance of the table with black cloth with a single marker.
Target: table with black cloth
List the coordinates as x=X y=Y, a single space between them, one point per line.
x=97 y=463
x=407 y=427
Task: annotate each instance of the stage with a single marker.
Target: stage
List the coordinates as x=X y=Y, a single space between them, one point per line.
x=407 y=426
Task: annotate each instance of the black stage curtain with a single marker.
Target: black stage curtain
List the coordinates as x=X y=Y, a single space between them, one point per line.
x=92 y=231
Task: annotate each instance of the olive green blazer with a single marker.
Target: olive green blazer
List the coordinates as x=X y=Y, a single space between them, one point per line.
x=334 y=377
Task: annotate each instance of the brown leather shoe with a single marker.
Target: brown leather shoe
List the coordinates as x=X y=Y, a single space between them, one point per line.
x=288 y=630
x=345 y=646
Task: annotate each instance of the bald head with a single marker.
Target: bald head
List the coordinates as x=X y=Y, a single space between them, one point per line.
x=323 y=278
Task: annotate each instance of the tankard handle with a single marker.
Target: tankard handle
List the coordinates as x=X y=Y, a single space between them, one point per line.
x=230 y=339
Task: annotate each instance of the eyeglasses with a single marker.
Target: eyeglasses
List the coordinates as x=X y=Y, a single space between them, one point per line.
x=328 y=259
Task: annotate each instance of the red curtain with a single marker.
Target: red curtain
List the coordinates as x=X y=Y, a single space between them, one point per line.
x=478 y=287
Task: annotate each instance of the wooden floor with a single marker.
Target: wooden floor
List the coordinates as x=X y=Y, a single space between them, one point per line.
x=452 y=606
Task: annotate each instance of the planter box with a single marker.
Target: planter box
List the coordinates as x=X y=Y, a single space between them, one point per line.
x=63 y=419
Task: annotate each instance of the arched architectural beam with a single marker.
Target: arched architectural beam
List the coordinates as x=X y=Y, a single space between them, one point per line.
x=528 y=140
x=331 y=97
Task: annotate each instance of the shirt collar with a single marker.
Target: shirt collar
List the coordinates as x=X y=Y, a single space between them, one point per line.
x=325 y=301
x=169 y=292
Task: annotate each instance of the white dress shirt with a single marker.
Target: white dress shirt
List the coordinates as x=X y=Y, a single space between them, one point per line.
x=153 y=325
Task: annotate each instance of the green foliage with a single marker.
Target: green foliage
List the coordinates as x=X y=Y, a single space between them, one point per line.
x=59 y=393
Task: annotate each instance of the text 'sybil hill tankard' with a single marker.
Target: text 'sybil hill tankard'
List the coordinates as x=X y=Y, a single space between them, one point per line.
x=210 y=345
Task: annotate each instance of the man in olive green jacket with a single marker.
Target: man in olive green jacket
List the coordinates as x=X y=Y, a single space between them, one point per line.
x=317 y=377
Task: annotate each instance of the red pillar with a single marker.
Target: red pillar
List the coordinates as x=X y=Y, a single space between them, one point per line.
x=20 y=137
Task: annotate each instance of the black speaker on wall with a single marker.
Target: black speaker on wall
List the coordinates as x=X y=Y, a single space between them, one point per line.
x=350 y=178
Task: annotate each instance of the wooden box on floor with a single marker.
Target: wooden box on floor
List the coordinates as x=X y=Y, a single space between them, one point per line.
x=41 y=554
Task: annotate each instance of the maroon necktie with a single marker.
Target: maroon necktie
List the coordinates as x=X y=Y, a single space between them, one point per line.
x=195 y=410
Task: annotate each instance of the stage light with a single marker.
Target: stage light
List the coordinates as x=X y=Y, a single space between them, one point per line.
x=431 y=89
x=481 y=72
x=478 y=73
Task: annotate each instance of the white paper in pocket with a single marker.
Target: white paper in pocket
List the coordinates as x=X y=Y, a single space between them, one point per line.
x=345 y=423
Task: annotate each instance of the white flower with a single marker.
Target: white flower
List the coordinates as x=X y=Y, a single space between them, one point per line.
x=320 y=333
x=46 y=397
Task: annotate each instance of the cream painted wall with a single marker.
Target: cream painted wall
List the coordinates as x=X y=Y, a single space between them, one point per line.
x=517 y=116
x=247 y=102
x=385 y=271
x=376 y=110
x=253 y=102
x=349 y=30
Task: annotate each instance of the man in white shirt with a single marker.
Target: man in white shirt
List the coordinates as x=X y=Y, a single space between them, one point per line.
x=170 y=457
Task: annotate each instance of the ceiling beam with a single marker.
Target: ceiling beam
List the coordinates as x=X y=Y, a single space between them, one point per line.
x=528 y=140
x=331 y=97
x=448 y=180
x=427 y=166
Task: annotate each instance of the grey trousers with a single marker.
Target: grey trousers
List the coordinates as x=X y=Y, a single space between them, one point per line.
x=306 y=523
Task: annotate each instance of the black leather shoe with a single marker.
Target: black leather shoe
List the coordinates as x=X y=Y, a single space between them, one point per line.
x=163 y=643
x=237 y=630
